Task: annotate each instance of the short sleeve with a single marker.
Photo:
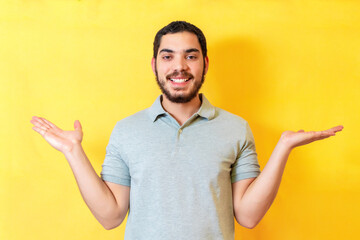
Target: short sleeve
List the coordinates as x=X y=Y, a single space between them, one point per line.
x=114 y=169
x=246 y=164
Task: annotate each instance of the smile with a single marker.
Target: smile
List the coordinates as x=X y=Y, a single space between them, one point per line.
x=179 y=80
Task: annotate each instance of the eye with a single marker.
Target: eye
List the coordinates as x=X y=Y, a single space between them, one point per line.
x=166 y=57
x=191 y=57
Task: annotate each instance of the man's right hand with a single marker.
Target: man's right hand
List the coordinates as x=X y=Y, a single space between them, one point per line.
x=61 y=140
x=109 y=202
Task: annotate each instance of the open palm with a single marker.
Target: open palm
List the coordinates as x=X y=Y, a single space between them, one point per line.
x=295 y=139
x=59 y=139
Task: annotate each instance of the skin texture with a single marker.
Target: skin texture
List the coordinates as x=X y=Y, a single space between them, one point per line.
x=185 y=59
x=109 y=202
x=179 y=58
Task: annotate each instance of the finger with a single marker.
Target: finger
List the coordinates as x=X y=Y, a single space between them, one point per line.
x=77 y=125
x=334 y=130
x=337 y=128
x=329 y=132
x=39 y=124
x=41 y=131
x=42 y=120
x=324 y=134
x=50 y=123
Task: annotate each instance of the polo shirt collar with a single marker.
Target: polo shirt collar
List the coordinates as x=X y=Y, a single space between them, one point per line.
x=206 y=110
x=156 y=110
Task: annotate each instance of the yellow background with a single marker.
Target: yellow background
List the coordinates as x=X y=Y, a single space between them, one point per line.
x=281 y=65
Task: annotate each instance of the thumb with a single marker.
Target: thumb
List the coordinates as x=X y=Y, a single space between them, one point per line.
x=77 y=125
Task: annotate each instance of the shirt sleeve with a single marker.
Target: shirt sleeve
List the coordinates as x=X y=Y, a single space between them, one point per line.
x=246 y=164
x=114 y=168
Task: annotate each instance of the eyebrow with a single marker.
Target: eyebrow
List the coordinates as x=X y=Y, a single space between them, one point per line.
x=166 y=50
x=192 y=50
x=172 y=51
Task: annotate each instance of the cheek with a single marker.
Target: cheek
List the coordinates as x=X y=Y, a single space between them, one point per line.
x=162 y=69
x=199 y=71
x=197 y=67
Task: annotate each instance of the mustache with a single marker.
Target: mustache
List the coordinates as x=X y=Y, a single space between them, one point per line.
x=180 y=74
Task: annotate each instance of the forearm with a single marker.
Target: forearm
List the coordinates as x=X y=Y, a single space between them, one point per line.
x=94 y=191
x=259 y=196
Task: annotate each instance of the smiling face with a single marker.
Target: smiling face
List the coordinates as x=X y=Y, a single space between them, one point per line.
x=180 y=66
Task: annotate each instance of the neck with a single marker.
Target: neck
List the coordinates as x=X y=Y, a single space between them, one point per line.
x=181 y=112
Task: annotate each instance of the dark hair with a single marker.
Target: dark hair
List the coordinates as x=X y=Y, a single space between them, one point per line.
x=180 y=26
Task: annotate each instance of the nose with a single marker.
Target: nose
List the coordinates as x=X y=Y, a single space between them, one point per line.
x=180 y=65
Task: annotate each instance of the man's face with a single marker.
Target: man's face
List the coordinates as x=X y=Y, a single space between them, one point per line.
x=180 y=66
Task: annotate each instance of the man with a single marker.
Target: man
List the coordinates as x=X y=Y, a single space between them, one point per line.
x=183 y=168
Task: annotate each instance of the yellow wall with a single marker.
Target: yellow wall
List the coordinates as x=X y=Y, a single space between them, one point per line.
x=282 y=65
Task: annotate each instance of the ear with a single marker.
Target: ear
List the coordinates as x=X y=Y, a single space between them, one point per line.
x=206 y=64
x=153 y=65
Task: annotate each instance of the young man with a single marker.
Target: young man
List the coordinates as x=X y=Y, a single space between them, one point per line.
x=183 y=168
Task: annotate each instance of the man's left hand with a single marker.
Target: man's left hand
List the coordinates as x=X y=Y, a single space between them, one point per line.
x=294 y=139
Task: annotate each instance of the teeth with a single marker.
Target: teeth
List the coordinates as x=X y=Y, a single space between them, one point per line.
x=179 y=80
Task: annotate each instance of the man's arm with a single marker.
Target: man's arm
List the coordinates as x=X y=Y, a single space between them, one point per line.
x=253 y=197
x=109 y=202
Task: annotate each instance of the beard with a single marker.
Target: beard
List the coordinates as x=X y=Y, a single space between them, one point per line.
x=180 y=98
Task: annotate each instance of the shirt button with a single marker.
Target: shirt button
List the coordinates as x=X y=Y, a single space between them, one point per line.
x=180 y=130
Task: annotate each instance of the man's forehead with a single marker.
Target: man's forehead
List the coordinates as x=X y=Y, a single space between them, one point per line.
x=181 y=41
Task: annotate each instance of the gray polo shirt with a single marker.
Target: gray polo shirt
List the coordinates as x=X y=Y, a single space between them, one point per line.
x=180 y=176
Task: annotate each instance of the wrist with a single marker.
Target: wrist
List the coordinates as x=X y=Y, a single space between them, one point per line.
x=286 y=142
x=284 y=145
x=73 y=150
